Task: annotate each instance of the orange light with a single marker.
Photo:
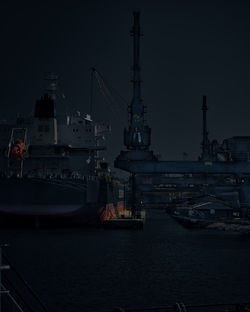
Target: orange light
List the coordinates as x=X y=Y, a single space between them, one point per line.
x=18 y=149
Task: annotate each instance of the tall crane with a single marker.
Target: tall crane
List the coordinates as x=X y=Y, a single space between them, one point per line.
x=137 y=137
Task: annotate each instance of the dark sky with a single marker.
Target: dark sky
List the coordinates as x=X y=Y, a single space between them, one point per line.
x=189 y=48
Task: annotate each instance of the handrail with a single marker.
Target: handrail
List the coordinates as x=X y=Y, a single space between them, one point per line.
x=31 y=291
x=239 y=307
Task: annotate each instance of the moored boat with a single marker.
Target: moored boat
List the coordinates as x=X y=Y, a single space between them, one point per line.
x=51 y=172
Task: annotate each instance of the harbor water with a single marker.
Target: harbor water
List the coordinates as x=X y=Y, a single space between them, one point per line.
x=95 y=269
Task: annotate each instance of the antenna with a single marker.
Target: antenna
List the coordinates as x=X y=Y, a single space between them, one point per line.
x=93 y=70
x=205 y=141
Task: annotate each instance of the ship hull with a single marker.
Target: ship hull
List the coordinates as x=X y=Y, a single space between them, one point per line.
x=192 y=222
x=54 y=203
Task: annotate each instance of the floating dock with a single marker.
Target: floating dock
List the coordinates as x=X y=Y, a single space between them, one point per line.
x=128 y=220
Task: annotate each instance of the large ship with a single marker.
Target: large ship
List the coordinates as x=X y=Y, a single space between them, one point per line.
x=51 y=172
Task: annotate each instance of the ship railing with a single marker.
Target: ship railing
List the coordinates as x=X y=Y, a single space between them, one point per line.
x=92 y=178
x=16 y=294
x=181 y=307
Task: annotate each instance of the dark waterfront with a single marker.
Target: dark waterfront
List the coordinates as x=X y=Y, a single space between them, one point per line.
x=95 y=270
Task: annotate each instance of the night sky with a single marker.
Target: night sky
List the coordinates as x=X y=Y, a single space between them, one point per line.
x=189 y=48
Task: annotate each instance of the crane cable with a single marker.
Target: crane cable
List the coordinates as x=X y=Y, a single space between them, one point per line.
x=115 y=101
x=122 y=102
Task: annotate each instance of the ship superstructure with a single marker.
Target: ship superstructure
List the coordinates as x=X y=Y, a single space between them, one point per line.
x=43 y=145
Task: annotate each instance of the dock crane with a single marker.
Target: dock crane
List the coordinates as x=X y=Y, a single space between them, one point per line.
x=229 y=159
